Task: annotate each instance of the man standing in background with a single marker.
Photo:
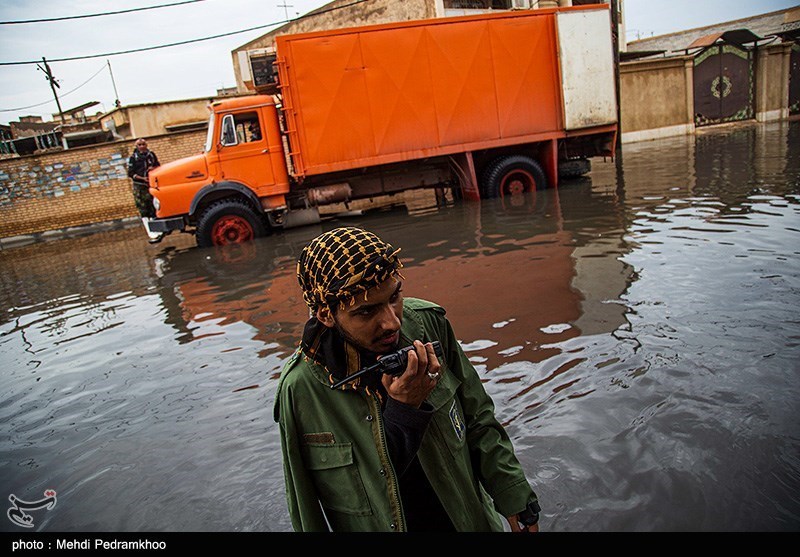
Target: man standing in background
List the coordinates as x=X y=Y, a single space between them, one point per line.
x=139 y=165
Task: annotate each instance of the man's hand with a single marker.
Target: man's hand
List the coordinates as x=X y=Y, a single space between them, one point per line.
x=414 y=385
x=517 y=527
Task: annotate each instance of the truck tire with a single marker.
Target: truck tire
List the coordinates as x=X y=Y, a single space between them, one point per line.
x=574 y=168
x=512 y=175
x=228 y=221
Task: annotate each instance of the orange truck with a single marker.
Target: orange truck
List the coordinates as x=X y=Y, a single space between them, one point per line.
x=490 y=105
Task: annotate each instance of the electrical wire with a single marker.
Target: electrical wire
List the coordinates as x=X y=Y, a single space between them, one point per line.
x=143 y=49
x=64 y=18
x=103 y=67
x=27 y=107
x=190 y=41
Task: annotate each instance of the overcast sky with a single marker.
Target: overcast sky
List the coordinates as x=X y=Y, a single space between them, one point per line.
x=199 y=69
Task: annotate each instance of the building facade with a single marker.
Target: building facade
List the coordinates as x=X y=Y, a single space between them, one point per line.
x=150 y=119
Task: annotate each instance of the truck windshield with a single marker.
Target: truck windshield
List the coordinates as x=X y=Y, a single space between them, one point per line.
x=210 y=136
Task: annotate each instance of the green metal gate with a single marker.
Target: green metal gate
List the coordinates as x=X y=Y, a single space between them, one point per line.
x=723 y=85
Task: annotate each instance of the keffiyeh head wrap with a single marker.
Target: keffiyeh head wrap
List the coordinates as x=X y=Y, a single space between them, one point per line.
x=339 y=264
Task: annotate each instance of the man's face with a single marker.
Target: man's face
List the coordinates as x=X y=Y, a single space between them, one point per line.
x=373 y=321
x=142 y=146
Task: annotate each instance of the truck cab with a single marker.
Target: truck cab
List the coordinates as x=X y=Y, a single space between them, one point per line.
x=224 y=191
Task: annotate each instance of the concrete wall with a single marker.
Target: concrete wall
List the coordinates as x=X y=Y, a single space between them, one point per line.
x=366 y=13
x=772 y=82
x=78 y=186
x=145 y=120
x=29 y=129
x=656 y=98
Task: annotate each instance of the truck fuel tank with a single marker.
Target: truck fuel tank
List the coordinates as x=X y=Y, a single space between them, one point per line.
x=333 y=193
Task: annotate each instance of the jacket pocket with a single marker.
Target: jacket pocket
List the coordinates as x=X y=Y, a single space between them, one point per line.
x=336 y=478
x=448 y=417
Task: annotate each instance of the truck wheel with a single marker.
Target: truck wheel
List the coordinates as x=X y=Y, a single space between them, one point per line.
x=513 y=175
x=574 y=168
x=228 y=221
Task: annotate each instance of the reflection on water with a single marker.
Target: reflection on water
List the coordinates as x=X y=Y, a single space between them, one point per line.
x=637 y=331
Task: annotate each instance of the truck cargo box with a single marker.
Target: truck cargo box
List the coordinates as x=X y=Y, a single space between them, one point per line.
x=380 y=94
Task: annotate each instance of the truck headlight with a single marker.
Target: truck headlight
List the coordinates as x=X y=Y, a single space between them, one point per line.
x=156 y=204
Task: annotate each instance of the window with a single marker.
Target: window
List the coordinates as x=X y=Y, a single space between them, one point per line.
x=240 y=128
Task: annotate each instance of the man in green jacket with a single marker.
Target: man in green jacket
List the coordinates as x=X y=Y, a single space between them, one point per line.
x=414 y=452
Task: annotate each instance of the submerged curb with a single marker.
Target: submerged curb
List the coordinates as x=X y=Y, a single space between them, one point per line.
x=69 y=232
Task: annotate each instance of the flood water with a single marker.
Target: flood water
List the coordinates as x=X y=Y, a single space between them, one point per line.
x=638 y=332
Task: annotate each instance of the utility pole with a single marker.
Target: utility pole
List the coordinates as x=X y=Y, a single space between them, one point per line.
x=615 y=42
x=53 y=84
x=620 y=171
x=117 y=104
x=286 y=9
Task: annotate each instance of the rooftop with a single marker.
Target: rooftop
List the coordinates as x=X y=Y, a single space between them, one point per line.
x=762 y=25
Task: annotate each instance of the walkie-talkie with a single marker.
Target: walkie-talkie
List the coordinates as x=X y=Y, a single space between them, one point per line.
x=390 y=364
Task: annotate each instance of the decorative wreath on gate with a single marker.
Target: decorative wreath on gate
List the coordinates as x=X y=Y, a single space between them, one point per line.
x=726 y=86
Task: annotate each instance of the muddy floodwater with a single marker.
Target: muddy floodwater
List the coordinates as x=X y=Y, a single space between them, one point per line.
x=638 y=331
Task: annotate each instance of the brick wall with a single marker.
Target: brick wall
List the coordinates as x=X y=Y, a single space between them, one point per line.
x=78 y=186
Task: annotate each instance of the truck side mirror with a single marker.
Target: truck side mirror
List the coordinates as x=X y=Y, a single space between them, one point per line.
x=228 y=131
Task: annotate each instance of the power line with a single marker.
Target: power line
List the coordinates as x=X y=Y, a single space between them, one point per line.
x=103 y=67
x=190 y=41
x=64 y=18
x=143 y=49
x=64 y=95
x=25 y=107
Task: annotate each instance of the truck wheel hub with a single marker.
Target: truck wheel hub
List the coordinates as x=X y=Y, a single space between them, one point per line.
x=231 y=230
x=517 y=182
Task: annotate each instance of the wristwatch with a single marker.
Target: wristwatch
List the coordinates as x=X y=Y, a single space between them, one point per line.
x=530 y=515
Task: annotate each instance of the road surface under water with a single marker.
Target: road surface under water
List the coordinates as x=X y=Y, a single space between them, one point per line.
x=638 y=332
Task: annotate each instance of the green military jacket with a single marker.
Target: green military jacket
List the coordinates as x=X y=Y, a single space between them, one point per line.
x=336 y=461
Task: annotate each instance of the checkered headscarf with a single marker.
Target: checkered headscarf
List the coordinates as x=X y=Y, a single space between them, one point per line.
x=341 y=263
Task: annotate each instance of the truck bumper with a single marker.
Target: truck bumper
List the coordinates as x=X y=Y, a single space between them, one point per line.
x=166 y=225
